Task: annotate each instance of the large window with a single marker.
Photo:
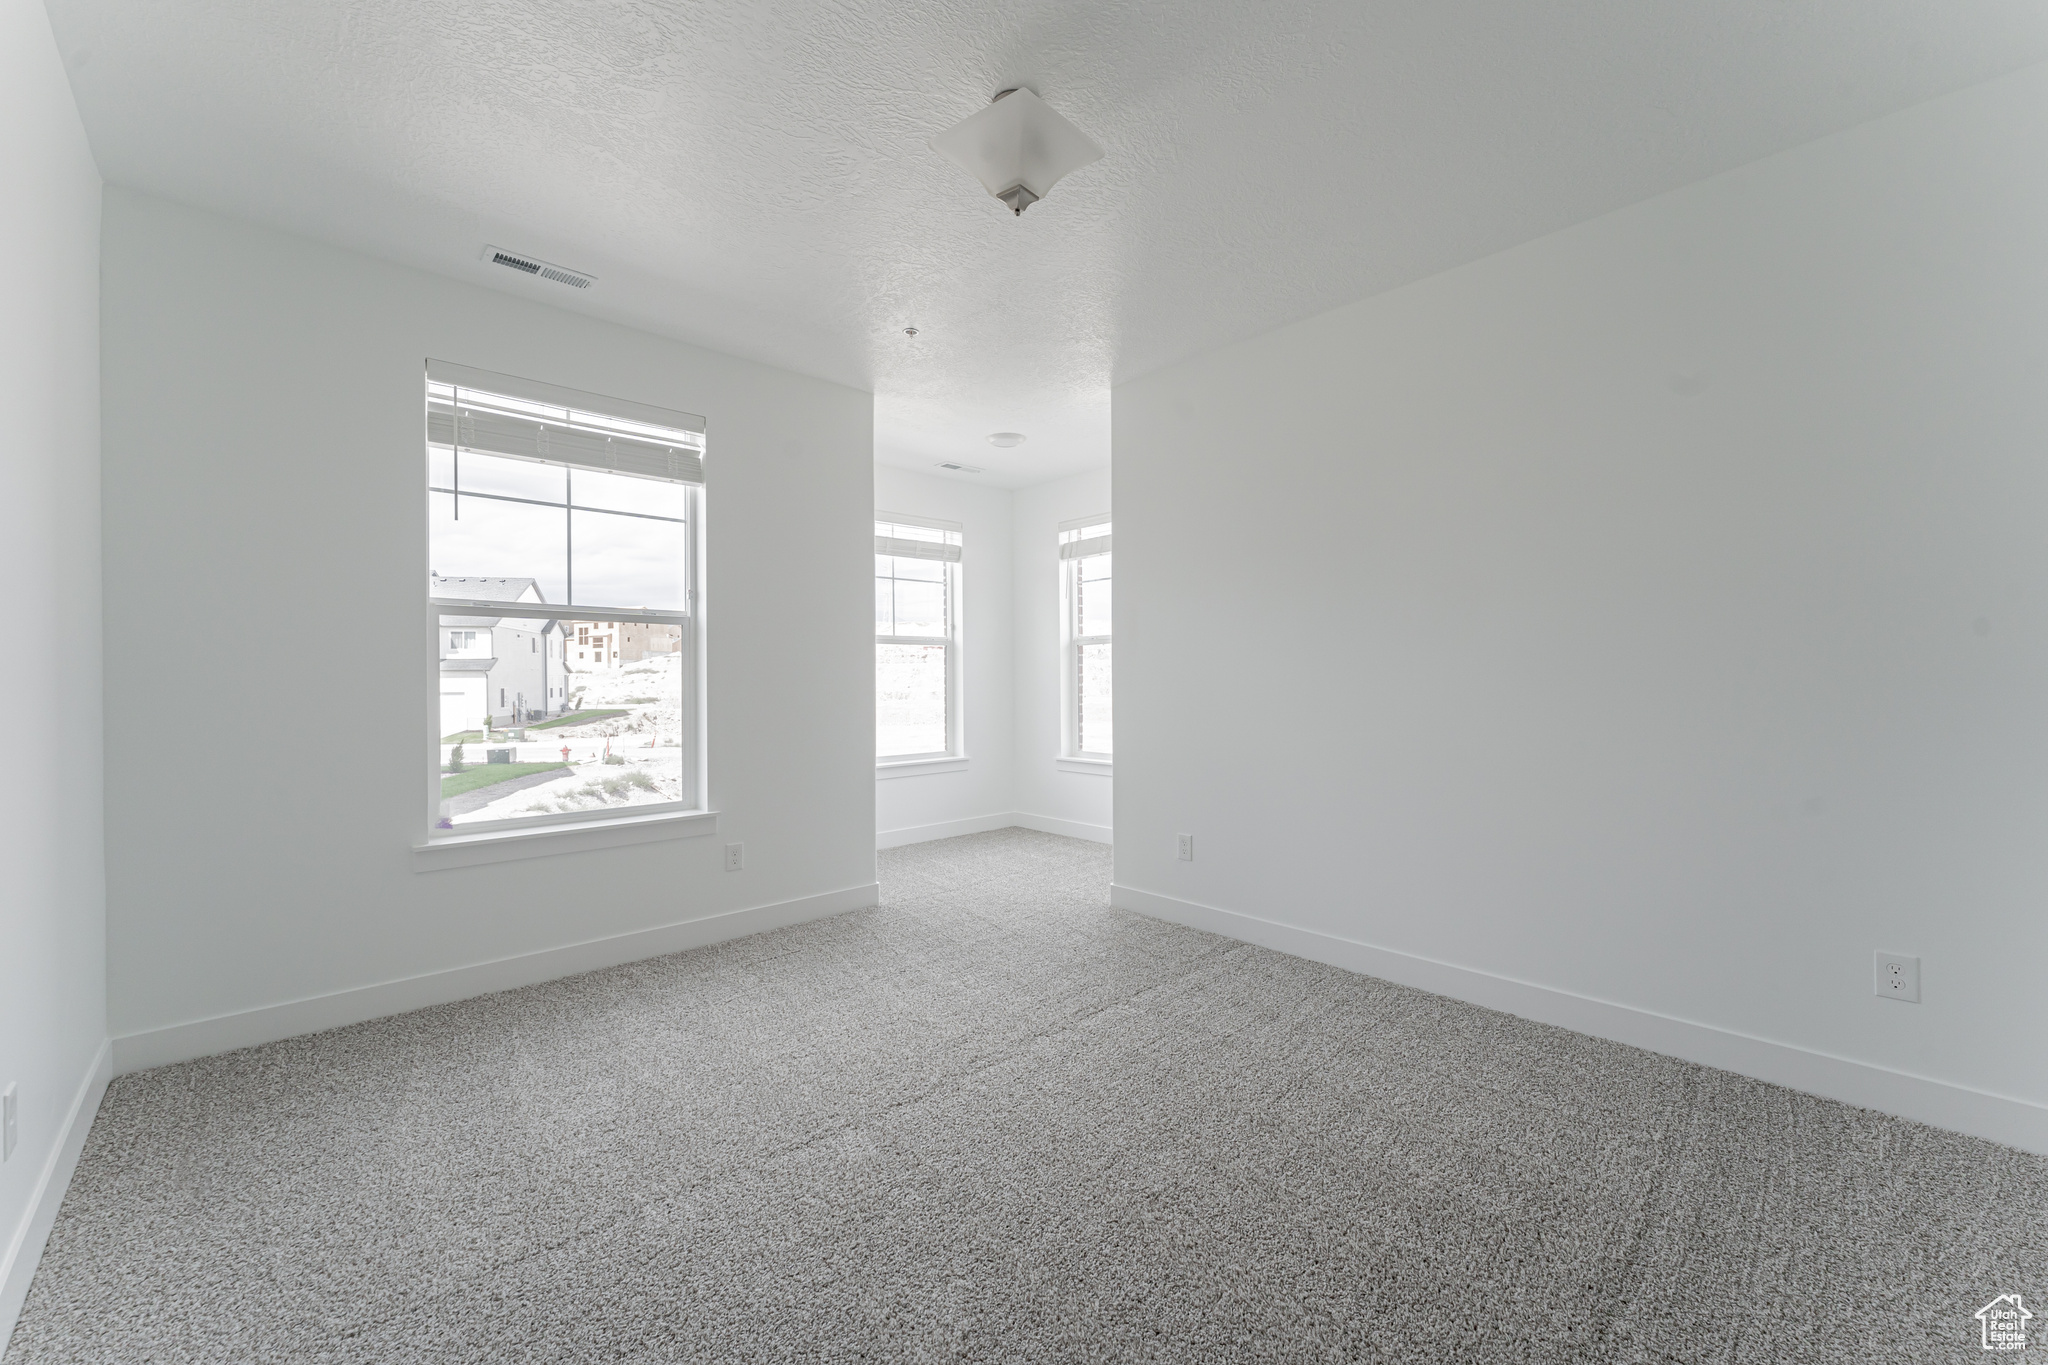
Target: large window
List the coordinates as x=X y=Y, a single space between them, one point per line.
x=561 y=604
x=1084 y=568
x=917 y=618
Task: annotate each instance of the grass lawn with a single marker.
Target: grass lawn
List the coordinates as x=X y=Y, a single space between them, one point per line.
x=489 y=775
x=576 y=718
x=573 y=718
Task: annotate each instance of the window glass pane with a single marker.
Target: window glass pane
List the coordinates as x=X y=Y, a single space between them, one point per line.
x=1093 y=596
x=910 y=700
x=885 y=609
x=920 y=608
x=622 y=493
x=628 y=562
x=924 y=570
x=1095 y=715
x=481 y=473
x=570 y=735
x=496 y=540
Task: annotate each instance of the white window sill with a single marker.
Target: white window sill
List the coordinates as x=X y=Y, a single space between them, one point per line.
x=1101 y=767
x=506 y=845
x=918 y=767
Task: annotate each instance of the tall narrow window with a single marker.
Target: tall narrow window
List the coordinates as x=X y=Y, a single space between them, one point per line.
x=917 y=616
x=1084 y=566
x=549 y=510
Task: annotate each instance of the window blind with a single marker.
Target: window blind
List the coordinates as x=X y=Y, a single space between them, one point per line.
x=917 y=538
x=917 y=549
x=1081 y=549
x=503 y=415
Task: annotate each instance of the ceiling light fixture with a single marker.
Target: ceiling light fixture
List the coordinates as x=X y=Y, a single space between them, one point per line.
x=1003 y=440
x=1018 y=148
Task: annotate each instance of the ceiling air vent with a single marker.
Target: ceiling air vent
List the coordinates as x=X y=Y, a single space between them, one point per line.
x=533 y=265
x=960 y=468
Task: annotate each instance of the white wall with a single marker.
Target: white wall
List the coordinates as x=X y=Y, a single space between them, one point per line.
x=1064 y=801
x=53 y=1013
x=925 y=805
x=263 y=462
x=1655 y=614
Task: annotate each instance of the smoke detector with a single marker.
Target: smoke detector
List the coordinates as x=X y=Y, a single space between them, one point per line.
x=1006 y=440
x=1017 y=147
x=534 y=265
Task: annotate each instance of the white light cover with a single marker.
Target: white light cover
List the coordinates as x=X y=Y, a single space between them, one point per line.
x=1018 y=140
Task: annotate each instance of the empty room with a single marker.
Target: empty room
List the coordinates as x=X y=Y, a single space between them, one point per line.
x=1313 y=680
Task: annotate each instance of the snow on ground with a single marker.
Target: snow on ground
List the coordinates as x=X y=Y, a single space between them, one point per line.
x=645 y=744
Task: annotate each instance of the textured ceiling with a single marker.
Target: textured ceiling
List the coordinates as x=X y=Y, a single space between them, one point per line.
x=754 y=177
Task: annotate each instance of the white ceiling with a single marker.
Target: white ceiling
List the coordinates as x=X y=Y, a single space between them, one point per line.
x=754 y=176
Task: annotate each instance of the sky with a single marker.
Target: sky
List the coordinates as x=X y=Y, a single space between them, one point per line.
x=617 y=560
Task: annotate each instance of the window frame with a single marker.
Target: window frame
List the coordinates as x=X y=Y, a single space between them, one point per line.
x=1072 y=642
x=690 y=816
x=955 y=752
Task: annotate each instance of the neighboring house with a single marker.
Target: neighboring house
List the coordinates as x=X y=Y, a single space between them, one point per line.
x=506 y=667
x=607 y=644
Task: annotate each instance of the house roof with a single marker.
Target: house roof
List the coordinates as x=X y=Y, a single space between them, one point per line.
x=468 y=665
x=486 y=589
x=487 y=622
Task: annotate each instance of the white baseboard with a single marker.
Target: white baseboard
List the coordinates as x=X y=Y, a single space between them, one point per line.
x=267 y=1024
x=1942 y=1104
x=982 y=824
x=945 y=829
x=1073 y=829
x=25 y=1247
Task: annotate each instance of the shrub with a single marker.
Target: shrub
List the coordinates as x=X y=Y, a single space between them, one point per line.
x=617 y=759
x=455 y=760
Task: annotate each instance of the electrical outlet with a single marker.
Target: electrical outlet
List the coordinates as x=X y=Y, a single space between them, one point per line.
x=732 y=857
x=1897 y=977
x=9 y=1129
x=1187 y=848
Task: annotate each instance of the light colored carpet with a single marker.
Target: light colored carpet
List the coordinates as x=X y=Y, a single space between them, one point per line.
x=996 y=1120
